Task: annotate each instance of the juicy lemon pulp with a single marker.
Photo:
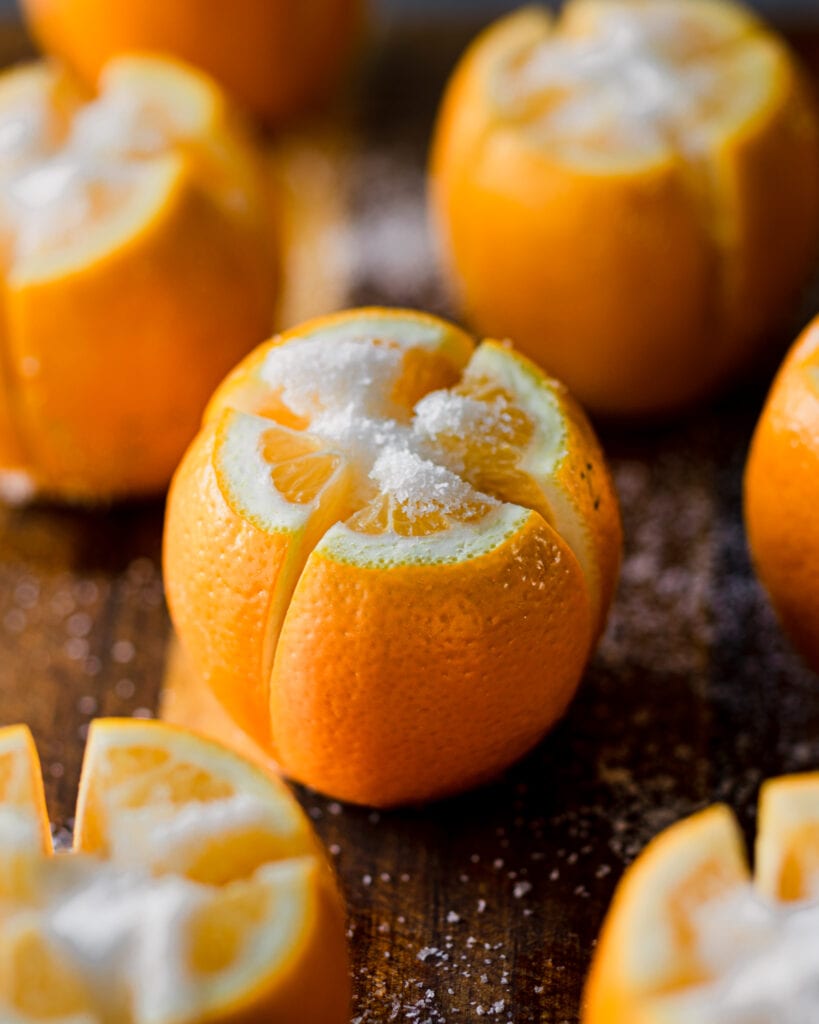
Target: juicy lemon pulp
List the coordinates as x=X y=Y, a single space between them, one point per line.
x=300 y=470
x=428 y=452
x=385 y=515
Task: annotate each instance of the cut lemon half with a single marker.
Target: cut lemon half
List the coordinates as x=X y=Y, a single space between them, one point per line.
x=389 y=553
x=114 y=330
x=195 y=891
x=691 y=939
x=578 y=157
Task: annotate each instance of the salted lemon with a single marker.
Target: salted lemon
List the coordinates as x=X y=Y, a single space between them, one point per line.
x=137 y=263
x=195 y=891
x=630 y=191
x=691 y=939
x=389 y=553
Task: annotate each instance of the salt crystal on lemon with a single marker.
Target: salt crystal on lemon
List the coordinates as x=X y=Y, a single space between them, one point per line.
x=420 y=486
x=765 y=958
x=318 y=374
x=624 y=79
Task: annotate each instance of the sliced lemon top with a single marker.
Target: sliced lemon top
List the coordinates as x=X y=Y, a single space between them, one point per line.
x=701 y=943
x=415 y=435
x=634 y=81
x=81 y=174
x=127 y=947
x=192 y=888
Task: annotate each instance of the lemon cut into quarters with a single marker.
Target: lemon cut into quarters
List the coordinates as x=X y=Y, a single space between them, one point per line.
x=692 y=939
x=380 y=533
x=114 y=330
x=580 y=156
x=196 y=891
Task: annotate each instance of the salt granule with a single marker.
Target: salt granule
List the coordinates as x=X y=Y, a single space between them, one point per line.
x=442 y=412
x=319 y=374
x=766 y=957
x=50 y=187
x=625 y=78
x=419 y=485
x=124 y=930
x=342 y=386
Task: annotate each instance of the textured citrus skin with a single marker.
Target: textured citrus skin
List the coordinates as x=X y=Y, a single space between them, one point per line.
x=652 y=283
x=451 y=672
x=596 y=501
x=274 y=56
x=645 y=950
x=224 y=591
x=580 y=481
x=107 y=364
x=311 y=983
x=387 y=674
x=782 y=495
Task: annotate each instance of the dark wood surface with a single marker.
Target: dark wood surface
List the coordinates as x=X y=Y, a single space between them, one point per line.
x=487 y=906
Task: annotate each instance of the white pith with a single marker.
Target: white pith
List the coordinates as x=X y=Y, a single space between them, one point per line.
x=19 y=829
x=535 y=395
x=637 y=81
x=19 y=824
x=456 y=545
x=339 y=380
x=418 y=332
x=244 y=467
x=123 y=926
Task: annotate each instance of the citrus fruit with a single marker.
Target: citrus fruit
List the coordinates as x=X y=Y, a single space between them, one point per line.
x=114 y=327
x=23 y=818
x=782 y=494
x=691 y=939
x=630 y=191
x=274 y=56
x=196 y=891
x=389 y=553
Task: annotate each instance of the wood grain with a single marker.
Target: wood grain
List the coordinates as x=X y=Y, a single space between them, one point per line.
x=487 y=906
